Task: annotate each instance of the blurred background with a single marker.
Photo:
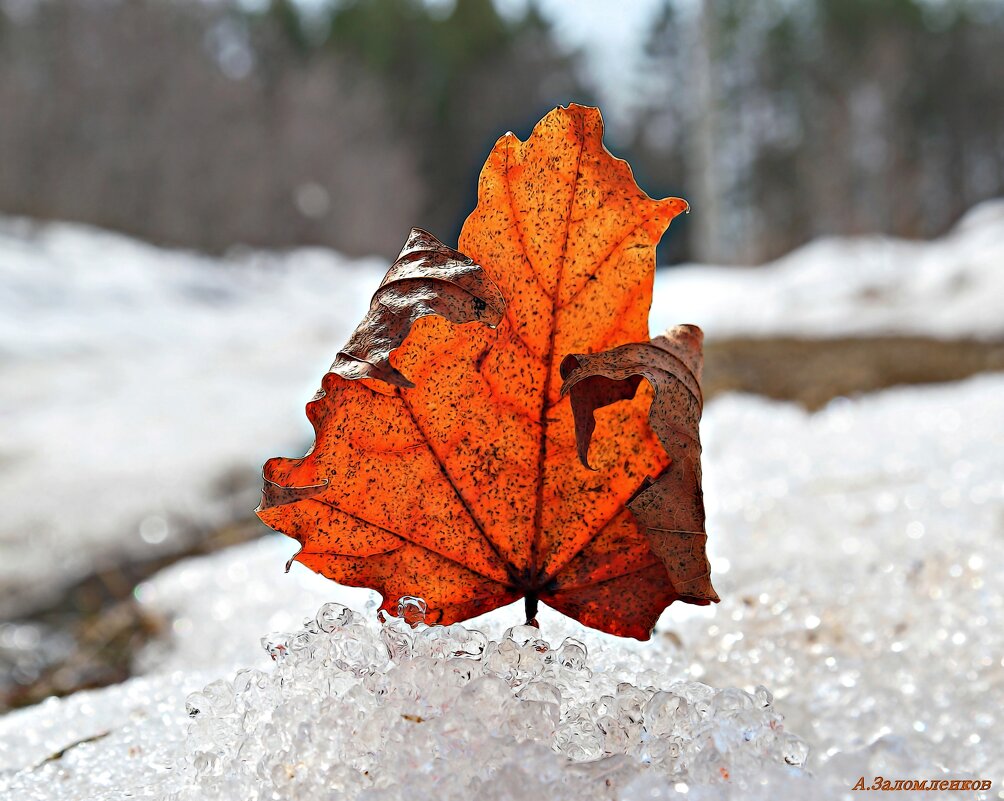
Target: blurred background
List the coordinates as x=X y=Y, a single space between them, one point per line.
x=277 y=123
x=197 y=198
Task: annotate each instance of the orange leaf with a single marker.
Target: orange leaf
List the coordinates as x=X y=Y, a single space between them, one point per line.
x=464 y=456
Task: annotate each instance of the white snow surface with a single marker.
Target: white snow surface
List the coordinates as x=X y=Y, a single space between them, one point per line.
x=952 y=287
x=141 y=388
x=859 y=553
x=135 y=381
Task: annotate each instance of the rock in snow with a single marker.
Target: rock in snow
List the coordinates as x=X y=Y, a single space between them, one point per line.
x=860 y=558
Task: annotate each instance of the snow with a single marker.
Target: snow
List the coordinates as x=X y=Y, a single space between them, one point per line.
x=142 y=388
x=951 y=287
x=860 y=558
x=138 y=385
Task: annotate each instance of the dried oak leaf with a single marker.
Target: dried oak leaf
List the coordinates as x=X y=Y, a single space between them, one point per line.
x=503 y=467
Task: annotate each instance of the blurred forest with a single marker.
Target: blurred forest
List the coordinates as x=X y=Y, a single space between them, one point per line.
x=823 y=117
x=344 y=123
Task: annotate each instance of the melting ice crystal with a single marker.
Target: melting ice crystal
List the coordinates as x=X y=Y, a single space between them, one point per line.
x=353 y=709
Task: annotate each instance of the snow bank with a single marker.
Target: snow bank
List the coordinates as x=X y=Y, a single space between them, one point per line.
x=139 y=387
x=860 y=558
x=950 y=287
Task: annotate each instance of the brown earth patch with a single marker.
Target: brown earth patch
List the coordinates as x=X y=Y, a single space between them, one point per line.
x=812 y=372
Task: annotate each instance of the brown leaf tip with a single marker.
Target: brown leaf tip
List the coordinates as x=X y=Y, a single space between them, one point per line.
x=427 y=278
x=670 y=508
x=686 y=343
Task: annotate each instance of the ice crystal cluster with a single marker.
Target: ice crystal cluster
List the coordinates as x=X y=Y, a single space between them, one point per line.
x=406 y=710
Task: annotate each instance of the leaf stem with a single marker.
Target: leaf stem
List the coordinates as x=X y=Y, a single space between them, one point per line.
x=530 y=603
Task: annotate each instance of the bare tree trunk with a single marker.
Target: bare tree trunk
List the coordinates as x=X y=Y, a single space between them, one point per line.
x=707 y=242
